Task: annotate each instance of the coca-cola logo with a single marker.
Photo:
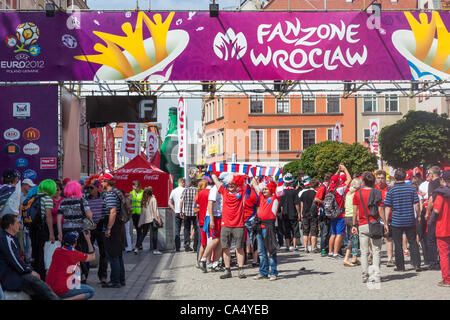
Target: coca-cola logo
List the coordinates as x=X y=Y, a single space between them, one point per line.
x=135 y=170
x=155 y=177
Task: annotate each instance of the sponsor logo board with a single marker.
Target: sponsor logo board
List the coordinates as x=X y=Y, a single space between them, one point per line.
x=21 y=110
x=48 y=163
x=31 y=149
x=11 y=149
x=11 y=134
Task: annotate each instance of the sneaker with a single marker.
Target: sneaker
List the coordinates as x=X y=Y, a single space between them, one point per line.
x=242 y=275
x=226 y=275
x=338 y=256
x=443 y=284
x=272 y=278
x=197 y=264
x=218 y=268
x=307 y=251
x=135 y=251
x=399 y=269
x=209 y=266
x=259 y=277
x=323 y=253
x=255 y=264
x=292 y=249
x=203 y=266
x=295 y=248
x=390 y=264
x=330 y=255
x=187 y=249
x=157 y=252
x=316 y=250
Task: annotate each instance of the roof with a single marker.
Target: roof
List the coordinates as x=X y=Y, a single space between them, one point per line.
x=139 y=162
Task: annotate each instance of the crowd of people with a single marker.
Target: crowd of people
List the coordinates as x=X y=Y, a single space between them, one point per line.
x=343 y=217
x=65 y=219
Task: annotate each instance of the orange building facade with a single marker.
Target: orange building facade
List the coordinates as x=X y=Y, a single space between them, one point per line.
x=270 y=131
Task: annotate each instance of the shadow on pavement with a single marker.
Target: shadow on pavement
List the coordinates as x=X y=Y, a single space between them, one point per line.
x=392 y=277
x=296 y=273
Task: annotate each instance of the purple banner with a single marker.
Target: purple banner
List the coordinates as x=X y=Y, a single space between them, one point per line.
x=235 y=46
x=29 y=131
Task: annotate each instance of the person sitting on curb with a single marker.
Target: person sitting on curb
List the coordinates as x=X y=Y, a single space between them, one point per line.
x=61 y=276
x=16 y=274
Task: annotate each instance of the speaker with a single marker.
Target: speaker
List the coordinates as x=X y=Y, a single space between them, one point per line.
x=214 y=10
x=49 y=9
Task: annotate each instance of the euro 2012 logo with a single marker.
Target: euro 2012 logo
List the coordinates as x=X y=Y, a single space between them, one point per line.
x=27 y=34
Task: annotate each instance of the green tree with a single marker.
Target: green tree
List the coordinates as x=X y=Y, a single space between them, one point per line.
x=292 y=167
x=308 y=159
x=358 y=158
x=419 y=138
x=328 y=157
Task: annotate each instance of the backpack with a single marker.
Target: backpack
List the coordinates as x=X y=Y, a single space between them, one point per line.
x=125 y=208
x=31 y=211
x=330 y=206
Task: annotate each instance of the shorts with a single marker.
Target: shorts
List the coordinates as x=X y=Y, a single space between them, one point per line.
x=203 y=237
x=214 y=234
x=310 y=225
x=236 y=233
x=290 y=228
x=338 y=226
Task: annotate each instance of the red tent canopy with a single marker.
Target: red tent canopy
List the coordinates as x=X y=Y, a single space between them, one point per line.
x=140 y=169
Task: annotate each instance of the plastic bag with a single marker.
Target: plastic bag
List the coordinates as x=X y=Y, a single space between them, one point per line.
x=49 y=249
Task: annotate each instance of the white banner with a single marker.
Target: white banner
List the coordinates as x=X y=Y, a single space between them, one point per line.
x=181 y=129
x=152 y=144
x=337 y=132
x=130 y=140
x=374 y=125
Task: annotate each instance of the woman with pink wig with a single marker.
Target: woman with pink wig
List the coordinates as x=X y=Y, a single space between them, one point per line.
x=74 y=209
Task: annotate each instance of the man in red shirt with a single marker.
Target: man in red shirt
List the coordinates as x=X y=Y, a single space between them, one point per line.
x=340 y=189
x=62 y=275
x=360 y=226
x=201 y=206
x=381 y=185
x=441 y=208
x=233 y=198
x=324 y=222
x=268 y=208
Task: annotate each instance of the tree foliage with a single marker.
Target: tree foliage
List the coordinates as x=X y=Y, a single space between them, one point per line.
x=418 y=138
x=325 y=157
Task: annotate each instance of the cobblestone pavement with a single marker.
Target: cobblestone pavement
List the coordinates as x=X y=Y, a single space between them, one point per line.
x=173 y=276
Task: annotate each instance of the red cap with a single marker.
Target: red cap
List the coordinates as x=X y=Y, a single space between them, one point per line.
x=272 y=186
x=66 y=180
x=106 y=176
x=334 y=179
x=342 y=175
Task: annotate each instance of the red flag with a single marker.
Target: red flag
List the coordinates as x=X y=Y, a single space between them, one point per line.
x=97 y=135
x=109 y=148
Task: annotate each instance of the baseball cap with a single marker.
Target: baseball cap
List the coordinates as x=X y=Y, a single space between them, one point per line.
x=9 y=174
x=70 y=238
x=334 y=179
x=28 y=182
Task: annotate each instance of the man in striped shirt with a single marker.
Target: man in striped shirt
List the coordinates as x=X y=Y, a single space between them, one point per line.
x=402 y=200
x=187 y=212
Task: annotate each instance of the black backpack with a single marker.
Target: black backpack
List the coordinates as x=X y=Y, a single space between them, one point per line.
x=125 y=208
x=330 y=206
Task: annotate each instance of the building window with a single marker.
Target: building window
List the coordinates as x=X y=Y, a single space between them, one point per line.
x=366 y=136
x=219 y=108
x=256 y=140
x=391 y=103
x=256 y=104
x=221 y=142
x=370 y=103
x=308 y=104
x=282 y=105
x=283 y=140
x=332 y=104
x=309 y=138
x=330 y=134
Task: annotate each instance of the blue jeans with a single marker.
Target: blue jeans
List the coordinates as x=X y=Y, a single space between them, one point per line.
x=84 y=289
x=178 y=223
x=2 y=296
x=117 y=269
x=264 y=260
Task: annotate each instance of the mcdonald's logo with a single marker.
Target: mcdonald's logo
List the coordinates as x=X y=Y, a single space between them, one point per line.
x=31 y=134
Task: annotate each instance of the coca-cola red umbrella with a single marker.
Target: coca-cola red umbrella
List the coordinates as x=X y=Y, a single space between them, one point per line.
x=140 y=169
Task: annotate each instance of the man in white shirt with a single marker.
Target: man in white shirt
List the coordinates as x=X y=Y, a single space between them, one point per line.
x=174 y=204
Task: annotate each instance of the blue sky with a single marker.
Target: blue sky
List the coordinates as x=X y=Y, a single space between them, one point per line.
x=160 y=4
x=194 y=111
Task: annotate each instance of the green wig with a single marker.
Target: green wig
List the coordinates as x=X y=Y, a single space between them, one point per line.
x=48 y=187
